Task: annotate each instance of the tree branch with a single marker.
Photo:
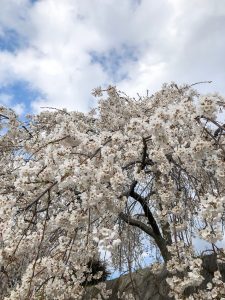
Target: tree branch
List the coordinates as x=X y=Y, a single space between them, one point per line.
x=147 y=212
x=159 y=240
x=137 y=223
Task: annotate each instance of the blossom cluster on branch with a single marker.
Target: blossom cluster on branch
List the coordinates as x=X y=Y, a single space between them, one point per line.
x=149 y=169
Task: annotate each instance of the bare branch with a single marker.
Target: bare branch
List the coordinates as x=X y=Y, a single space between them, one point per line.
x=137 y=223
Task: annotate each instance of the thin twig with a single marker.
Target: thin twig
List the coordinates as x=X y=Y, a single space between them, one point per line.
x=200 y=82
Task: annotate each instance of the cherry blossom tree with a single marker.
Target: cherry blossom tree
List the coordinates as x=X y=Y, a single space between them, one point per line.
x=129 y=173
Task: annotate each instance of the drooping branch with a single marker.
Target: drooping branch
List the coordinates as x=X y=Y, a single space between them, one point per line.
x=40 y=196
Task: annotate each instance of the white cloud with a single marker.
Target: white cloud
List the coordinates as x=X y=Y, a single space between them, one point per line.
x=192 y=51
x=180 y=40
x=19 y=108
x=5 y=99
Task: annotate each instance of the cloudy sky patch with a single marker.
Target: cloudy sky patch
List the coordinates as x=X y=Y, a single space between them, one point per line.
x=53 y=53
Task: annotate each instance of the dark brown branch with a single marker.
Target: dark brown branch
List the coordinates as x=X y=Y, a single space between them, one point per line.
x=131 y=164
x=144 y=154
x=137 y=223
x=41 y=195
x=147 y=211
x=25 y=128
x=210 y=120
x=208 y=132
x=159 y=240
x=200 y=83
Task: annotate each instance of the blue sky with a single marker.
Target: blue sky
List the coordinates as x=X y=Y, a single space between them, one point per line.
x=53 y=53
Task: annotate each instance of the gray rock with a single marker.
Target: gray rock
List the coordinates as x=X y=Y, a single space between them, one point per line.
x=144 y=285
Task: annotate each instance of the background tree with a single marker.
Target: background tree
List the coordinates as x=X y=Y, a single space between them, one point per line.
x=130 y=171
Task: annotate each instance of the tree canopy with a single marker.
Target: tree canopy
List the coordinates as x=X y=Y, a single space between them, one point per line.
x=128 y=176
